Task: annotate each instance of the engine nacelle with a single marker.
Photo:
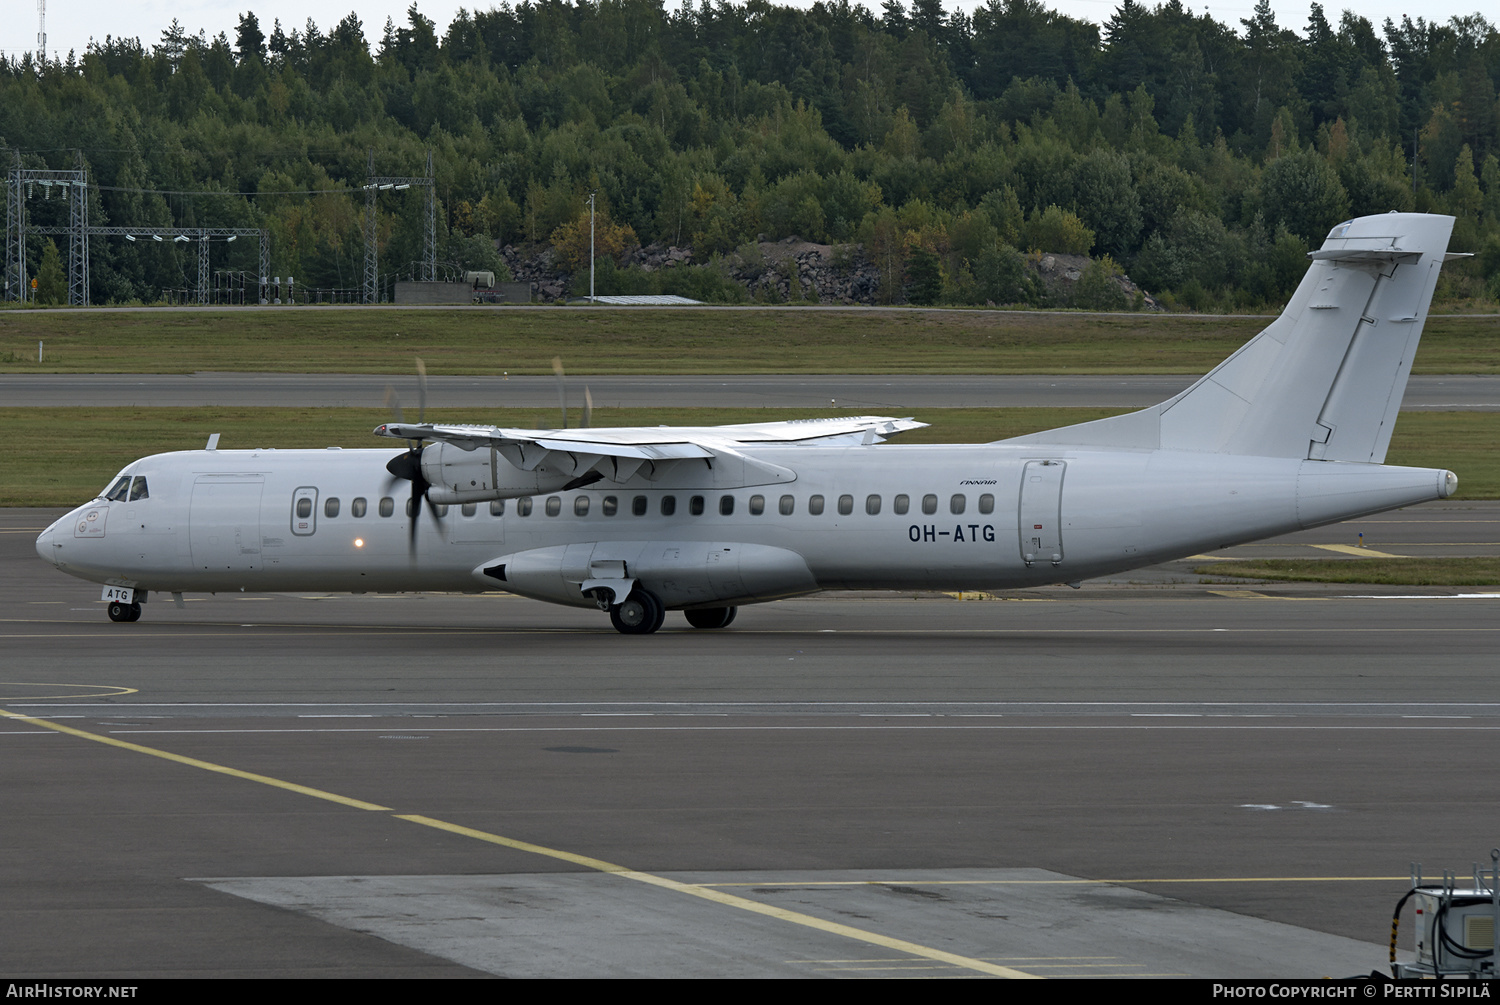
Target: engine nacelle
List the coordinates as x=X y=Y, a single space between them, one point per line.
x=459 y=476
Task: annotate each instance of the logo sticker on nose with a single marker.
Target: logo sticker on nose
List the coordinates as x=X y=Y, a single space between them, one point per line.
x=92 y=524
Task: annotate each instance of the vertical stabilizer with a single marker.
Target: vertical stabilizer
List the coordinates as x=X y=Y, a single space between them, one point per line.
x=1325 y=379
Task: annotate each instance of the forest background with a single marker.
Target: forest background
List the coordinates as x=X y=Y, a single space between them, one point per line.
x=936 y=149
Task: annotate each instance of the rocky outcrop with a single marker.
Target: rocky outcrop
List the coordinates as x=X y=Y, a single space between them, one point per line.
x=793 y=270
x=1061 y=273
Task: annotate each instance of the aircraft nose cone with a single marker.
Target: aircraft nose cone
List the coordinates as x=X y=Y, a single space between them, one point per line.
x=44 y=546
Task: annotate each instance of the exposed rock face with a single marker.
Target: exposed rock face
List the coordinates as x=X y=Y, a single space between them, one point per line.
x=1059 y=273
x=822 y=273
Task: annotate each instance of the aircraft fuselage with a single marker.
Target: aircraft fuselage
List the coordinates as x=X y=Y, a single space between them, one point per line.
x=886 y=517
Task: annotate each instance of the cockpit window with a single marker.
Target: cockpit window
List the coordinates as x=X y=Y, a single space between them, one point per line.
x=138 y=488
x=119 y=491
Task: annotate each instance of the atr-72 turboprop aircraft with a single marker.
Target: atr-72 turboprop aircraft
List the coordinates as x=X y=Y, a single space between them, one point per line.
x=1290 y=432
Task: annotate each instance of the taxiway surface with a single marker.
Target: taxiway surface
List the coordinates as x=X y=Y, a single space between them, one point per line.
x=1442 y=392
x=1180 y=778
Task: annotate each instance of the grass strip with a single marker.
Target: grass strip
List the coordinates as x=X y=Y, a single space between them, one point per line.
x=1375 y=571
x=523 y=340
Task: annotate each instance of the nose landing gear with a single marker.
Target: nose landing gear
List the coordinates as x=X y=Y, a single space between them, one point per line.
x=124 y=612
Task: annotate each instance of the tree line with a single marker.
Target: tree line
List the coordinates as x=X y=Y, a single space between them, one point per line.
x=1204 y=158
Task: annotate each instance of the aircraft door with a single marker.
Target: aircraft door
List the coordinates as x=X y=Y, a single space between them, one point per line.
x=1040 y=511
x=304 y=511
x=224 y=522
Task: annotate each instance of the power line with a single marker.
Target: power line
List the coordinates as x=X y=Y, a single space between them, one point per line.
x=167 y=191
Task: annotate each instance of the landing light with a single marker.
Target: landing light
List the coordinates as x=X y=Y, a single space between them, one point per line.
x=359 y=542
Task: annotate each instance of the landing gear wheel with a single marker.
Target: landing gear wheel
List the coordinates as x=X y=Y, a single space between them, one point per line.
x=640 y=614
x=124 y=612
x=711 y=617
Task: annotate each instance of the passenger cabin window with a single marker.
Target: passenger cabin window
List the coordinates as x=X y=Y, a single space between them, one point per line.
x=815 y=505
x=986 y=503
x=846 y=505
x=788 y=505
x=929 y=504
x=668 y=505
x=695 y=506
x=138 y=488
x=581 y=506
x=440 y=509
x=726 y=505
x=956 y=504
x=757 y=505
x=523 y=506
x=331 y=506
x=638 y=506
x=901 y=504
x=872 y=505
x=358 y=506
x=119 y=491
x=387 y=506
x=304 y=508
x=469 y=509
x=610 y=506
x=497 y=507
x=554 y=505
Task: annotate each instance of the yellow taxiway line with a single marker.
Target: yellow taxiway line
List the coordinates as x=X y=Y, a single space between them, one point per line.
x=916 y=950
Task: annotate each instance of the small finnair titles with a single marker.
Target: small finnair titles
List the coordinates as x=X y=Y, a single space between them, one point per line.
x=1290 y=432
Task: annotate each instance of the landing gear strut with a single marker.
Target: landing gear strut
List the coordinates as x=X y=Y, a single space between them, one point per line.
x=711 y=617
x=124 y=612
x=641 y=613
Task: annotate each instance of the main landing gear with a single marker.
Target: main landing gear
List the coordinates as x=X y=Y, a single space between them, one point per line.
x=711 y=617
x=642 y=613
x=124 y=612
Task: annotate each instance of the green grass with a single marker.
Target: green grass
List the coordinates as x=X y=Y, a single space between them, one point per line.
x=1379 y=571
x=525 y=339
x=63 y=456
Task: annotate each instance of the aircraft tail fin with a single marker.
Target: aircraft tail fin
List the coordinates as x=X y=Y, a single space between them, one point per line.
x=1322 y=381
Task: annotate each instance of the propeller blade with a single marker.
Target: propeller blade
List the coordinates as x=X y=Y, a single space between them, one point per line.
x=421 y=390
x=588 y=407
x=411 y=527
x=393 y=402
x=562 y=393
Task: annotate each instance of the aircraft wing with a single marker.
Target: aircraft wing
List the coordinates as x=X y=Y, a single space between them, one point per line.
x=621 y=452
x=656 y=443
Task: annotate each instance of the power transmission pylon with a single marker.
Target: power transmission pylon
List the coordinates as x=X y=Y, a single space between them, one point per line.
x=374 y=184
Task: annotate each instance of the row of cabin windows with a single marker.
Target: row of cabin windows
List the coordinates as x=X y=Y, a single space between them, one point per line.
x=756 y=505
x=640 y=505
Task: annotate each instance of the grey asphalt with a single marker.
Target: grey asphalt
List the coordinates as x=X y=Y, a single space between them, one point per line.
x=1175 y=778
x=865 y=393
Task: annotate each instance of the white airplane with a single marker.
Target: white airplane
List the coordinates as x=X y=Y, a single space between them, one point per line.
x=1290 y=432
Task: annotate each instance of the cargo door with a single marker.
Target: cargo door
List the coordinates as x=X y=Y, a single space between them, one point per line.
x=224 y=522
x=1040 y=512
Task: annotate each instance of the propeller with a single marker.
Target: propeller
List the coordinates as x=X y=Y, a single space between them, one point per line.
x=562 y=389
x=408 y=465
x=562 y=396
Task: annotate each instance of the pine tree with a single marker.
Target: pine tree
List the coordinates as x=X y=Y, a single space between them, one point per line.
x=51 y=281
